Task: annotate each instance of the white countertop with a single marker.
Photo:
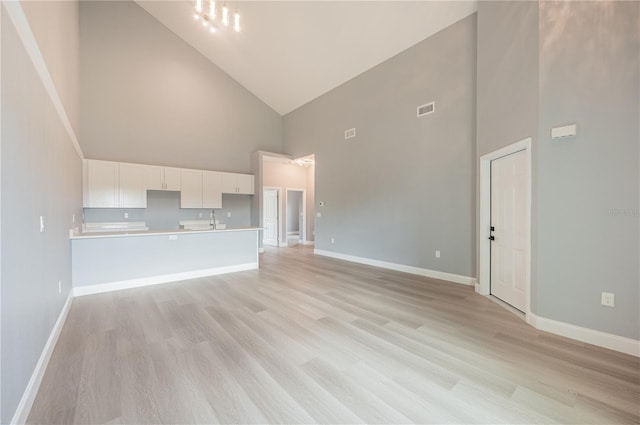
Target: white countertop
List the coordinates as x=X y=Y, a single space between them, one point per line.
x=130 y=233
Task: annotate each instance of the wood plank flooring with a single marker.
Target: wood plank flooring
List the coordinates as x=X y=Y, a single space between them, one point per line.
x=308 y=339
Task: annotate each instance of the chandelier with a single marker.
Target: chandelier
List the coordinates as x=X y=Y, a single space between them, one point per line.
x=208 y=16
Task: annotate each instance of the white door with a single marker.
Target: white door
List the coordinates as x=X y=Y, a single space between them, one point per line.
x=270 y=208
x=508 y=229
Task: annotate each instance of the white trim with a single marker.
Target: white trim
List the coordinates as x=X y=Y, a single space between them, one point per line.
x=483 y=286
x=79 y=291
x=590 y=336
x=260 y=250
x=308 y=243
x=29 y=395
x=21 y=23
x=456 y=278
x=281 y=244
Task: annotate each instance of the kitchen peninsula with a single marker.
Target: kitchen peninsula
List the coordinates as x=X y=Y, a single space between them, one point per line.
x=110 y=261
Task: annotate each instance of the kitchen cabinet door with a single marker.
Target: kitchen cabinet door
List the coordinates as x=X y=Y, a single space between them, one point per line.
x=237 y=183
x=172 y=178
x=101 y=184
x=211 y=189
x=229 y=183
x=161 y=178
x=245 y=184
x=132 y=191
x=191 y=193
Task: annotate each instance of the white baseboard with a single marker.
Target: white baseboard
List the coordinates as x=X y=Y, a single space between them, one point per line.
x=79 y=291
x=308 y=243
x=456 y=278
x=29 y=395
x=281 y=244
x=590 y=336
x=260 y=250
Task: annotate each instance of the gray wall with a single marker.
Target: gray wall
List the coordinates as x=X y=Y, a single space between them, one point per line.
x=148 y=97
x=294 y=208
x=556 y=63
x=163 y=211
x=41 y=175
x=405 y=186
x=589 y=75
x=507 y=96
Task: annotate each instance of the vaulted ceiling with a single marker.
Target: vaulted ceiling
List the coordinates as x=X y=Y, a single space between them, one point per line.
x=290 y=52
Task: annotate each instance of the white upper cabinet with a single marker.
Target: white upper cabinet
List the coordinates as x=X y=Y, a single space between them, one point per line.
x=172 y=178
x=191 y=193
x=132 y=191
x=237 y=183
x=109 y=184
x=211 y=189
x=100 y=184
x=161 y=178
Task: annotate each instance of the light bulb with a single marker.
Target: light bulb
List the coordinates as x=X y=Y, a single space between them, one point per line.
x=236 y=22
x=199 y=6
x=225 y=15
x=212 y=10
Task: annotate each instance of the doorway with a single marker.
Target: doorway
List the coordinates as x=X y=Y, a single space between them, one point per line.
x=296 y=216
x=505 y=225
x=271 y=217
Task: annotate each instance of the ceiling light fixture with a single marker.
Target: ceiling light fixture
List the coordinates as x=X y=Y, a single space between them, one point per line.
x=209 y=16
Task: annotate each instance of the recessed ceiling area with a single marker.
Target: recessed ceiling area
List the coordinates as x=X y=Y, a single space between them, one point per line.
x=290 y=52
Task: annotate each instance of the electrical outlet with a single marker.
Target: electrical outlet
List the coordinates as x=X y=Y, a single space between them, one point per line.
x=200 y=215
x=608 y=299
x=173 y=237
x=437 y=254
x=333 y=240
x=318 y=214
x=73 y=218
x=41 y=224
x=126 y=215
x=59 y=287
x=228 y=213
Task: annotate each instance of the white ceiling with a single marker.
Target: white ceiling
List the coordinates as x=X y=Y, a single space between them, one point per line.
x=290 y=52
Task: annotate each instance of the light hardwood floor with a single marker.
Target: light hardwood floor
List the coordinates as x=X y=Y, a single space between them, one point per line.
x=308 y=339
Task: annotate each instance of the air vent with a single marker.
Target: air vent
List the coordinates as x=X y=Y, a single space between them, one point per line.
x=426 y=109
x=348 y=134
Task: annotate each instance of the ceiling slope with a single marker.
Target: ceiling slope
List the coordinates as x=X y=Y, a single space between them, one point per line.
x=291 y=52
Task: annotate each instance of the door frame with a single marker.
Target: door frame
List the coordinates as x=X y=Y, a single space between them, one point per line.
x=483 y=286
x=303 y=229
x=279 y=221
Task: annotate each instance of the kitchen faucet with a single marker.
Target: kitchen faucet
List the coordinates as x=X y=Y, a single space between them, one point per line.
x=212 y=222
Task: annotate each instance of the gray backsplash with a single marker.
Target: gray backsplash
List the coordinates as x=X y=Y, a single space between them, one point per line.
x=163 y=211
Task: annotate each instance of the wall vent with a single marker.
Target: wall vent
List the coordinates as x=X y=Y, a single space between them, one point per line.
x=426 y=109
x=348 y=134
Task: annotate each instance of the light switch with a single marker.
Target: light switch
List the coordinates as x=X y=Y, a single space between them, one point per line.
x=41 y=224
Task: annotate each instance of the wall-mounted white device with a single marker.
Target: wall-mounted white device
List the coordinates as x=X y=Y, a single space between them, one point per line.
x=562 y=132
x=348 y=134
x=426 y=109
